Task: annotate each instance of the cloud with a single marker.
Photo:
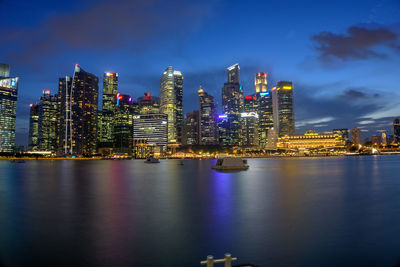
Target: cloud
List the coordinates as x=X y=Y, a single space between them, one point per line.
x=357 y=43
x=314 y=121
x=366 y=122
x=132 y=24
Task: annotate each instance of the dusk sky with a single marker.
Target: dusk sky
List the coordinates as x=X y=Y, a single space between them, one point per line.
x=342 y=56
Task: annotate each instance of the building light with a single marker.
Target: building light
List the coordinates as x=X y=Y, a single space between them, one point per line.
x=287 y=88
x=223 y=116
x=264 y=94
x=247 y=97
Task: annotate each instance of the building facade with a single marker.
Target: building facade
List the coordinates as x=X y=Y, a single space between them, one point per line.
x=229 y=129
x=106 y=118
x=249 y=130
x=396 y=130
x=191 y=129
x=83 y=113
x=64 y=116
x=208 y=131
x=33 y=127
x=47 y=122
x=311 y=140
x=344 y=133
x=125 y=110
x=151 y=129
x=149 y=104
x=171 y=102
x=266 y=119
x=232 y=93
x=8 y=110
x=355 y=135
x=282 y=98
x=260 y=83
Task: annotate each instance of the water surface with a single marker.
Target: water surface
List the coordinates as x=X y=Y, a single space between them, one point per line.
x=281 y=212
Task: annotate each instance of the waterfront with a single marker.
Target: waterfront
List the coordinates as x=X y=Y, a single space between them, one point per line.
x=281 y=212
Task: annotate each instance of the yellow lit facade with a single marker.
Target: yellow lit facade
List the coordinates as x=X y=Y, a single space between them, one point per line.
x=311 y=140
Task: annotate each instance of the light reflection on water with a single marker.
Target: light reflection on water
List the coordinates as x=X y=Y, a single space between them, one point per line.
x=303 y=212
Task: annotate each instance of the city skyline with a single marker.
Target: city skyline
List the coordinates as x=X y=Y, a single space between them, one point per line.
x=351 y=86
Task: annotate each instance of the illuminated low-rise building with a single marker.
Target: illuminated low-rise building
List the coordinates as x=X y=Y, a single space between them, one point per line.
x=311 y=140
x=344 y=133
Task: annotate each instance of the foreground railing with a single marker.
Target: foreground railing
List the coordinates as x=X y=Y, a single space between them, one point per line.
x=227 y=260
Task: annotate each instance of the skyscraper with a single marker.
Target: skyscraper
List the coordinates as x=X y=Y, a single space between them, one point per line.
x=265 y=117
x=396 y=130
x=229 y=129
x=125 y=110
x=8 y=109
x=355 y=135
x=64 y=115
x=232 y=93
x=80 y=122
x=260 y=83
x=47 y=122
x=110 y=88
x=208 y=132
x=149 y=104
x=4 y=70
x=33 y=128
x=171 y=93
x=152 y=129
x=249 y=129
x=191 y=128
x=250 y=103
x=282 y=100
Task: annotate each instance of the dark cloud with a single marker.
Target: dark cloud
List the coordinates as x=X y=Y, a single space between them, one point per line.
x=132 y=24
x=357 y=43
x=358 y=93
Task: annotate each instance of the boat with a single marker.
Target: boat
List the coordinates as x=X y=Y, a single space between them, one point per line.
x=18 y=161
x=152 y=160
x=231 y=164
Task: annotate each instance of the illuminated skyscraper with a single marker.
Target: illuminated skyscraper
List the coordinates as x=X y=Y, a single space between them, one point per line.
x=260 y=83
x=4 y=70
x=83 y=113
x=208 y=130
x=250 y=103
x=125 y=110
x=265 y=120
x=8 y=109
x=249 y=129
x=149 y=104
x=33 y=128
x=171 y=93
x=229 y=129
x=191 y=128
x=64 y=115
x=47 y=122
x=110 y=88
x=355 y=135
x=282 y=99
x=396 y=130
x=232 y=93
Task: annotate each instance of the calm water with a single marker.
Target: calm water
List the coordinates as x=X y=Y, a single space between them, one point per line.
x=281 y=212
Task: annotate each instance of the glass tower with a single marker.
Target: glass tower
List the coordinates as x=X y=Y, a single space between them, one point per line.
x=260 y=83
x=8 y=109
x=232 y=93
x=282 y=98
x=64 y=115
x=149 y=104
x=106 y=118
x=47 y=122
x=171 y=93
x=208 y=132
x=33 y=128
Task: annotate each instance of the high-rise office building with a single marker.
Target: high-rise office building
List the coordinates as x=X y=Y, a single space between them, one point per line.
x=47 y=122
x=249 y=129
x=343 y=133
x=191 y=129
x=8 y=109
x=229 y=129
x=4 y=70
x=152 y=128
x=81 y=112
x=171 y=93
x=64 y=115
x=106 y=118
x=250 y=103
x=282 y=99
x=265 y=118
x=260 y=83
x=33 y=128
x=125 y=110
x=232 y=93
x=355 y=135
x=149 y=104
x=208 y=130
x=396 y=130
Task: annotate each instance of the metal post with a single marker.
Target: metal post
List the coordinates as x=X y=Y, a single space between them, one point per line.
x=228 y=260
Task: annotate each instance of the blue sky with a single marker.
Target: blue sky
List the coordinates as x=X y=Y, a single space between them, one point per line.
x=342 y=56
